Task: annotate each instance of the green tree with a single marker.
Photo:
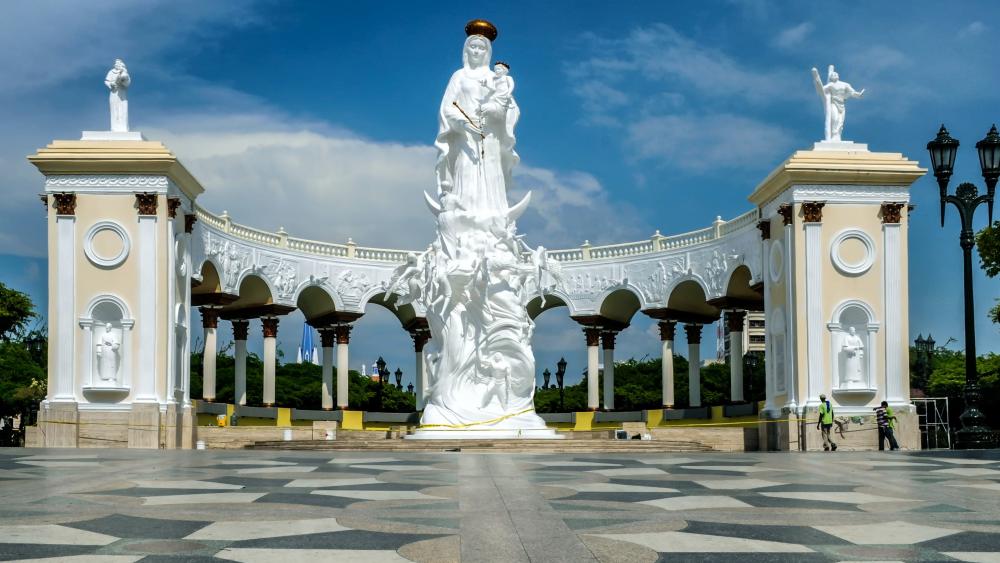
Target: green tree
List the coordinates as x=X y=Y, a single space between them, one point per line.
x=16 y=309
x=988 y=244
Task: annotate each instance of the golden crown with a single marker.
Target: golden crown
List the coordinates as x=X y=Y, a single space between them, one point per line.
x=481 y=27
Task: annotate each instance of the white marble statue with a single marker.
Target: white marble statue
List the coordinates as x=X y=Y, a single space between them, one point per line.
x=118 y=80
x=108 y=357
x=834 y=94
x=854 y=352
x=476 y=278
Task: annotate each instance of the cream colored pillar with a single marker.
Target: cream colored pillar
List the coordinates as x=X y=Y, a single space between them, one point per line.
x=210 y=323
x=270 y=357
x=734 y=322
x=241 y=329
x=667 y=332
x=694 y=364
x=593 y=367
x=327 y=336
x=608 y=340
x=343 y=340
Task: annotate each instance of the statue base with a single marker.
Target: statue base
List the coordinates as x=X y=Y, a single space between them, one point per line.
x=485 y=434
x=112 y=136
x=841 y=146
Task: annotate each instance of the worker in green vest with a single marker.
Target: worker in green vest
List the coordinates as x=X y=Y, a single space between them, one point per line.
x=825 y=423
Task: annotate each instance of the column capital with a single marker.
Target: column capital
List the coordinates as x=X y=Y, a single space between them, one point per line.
x=420 y=338
x=189 y=221
x=146 y=203
x=209 y=317
x=172 y=204
x=812 y=211
x=327 y=335
x=764 y=225
x=65 y=204
x=343 y=333
x=668 y=329
x=734 y=320
x=608 y=339
x=241 y=329
x=270 y=327
x=693 y=333
x=593 y=335
x=787 y=213
x=891 y=212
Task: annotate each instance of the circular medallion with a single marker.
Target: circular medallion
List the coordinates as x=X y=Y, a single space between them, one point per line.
x=776 y=261
x=852 y=252
x=106 y=244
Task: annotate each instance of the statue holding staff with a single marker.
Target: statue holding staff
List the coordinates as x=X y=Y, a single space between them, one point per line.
x=834 y=94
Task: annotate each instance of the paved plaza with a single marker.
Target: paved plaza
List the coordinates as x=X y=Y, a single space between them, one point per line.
x=128 y=505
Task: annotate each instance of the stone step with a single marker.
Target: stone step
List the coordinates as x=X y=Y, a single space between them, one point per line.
x=550 y=446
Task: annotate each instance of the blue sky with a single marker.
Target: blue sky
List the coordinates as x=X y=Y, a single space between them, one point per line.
x=639 y=116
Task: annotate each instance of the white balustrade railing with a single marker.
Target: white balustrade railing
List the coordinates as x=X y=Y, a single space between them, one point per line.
x=657 y=243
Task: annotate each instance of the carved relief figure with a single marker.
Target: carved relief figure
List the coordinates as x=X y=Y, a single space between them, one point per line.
x=108 y=357
x=118 y=81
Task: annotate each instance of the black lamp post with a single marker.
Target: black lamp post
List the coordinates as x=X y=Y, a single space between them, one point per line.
x=974 y=433
x=560 y=374
x=383 y=375
x=409 y=388
x=546 y=376
x=399 y=379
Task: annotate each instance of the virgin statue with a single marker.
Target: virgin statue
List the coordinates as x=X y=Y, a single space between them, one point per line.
x=854 y=350
x=475 y=138
x=475 y=279
x=108 y=358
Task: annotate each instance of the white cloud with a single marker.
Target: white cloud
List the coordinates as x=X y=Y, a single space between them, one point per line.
x=974 y=29
x=793 y=36
x=709 y=141
x=329 y=184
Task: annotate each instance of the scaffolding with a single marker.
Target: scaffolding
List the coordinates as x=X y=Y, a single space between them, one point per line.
x=932 y=417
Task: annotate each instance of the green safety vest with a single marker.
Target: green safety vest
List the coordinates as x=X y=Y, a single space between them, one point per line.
x=890 y=417
x=826 y=413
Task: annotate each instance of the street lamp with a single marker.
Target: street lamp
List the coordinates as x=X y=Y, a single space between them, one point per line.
x=399 y=378
x=752 y=361
x=560 y=374
x=974 y=433
x=383 y=375
x=409 y=388
x=546 y=376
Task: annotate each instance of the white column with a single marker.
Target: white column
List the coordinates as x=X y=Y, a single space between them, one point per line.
x=734 y=322
x=343 y=340
x=667 y=331
x=186 y=349
x=892 y=286
x=593 y=367
x=814 y=303
x=608 y=340
x=64 y=384
x=326 y=336
x=240 y=330
x=694 y=364
x=147 y=375
x=270 y=357
x=210 y=324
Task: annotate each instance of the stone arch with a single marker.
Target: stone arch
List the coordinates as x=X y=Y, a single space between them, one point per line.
x=620 y=303
x=405 y=313
x=690 y=295
x=553 y=300
x=211 y=281
x=253 y=290
x=316 y=300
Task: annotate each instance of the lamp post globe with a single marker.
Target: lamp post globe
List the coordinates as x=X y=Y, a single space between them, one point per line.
x=546 y=376
x=399 y=378
x=974 y=434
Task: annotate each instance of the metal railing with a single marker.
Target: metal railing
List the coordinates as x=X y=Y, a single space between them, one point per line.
x=932 y=417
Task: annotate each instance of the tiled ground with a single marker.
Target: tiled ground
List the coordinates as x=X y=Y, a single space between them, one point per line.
x=115 y=505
